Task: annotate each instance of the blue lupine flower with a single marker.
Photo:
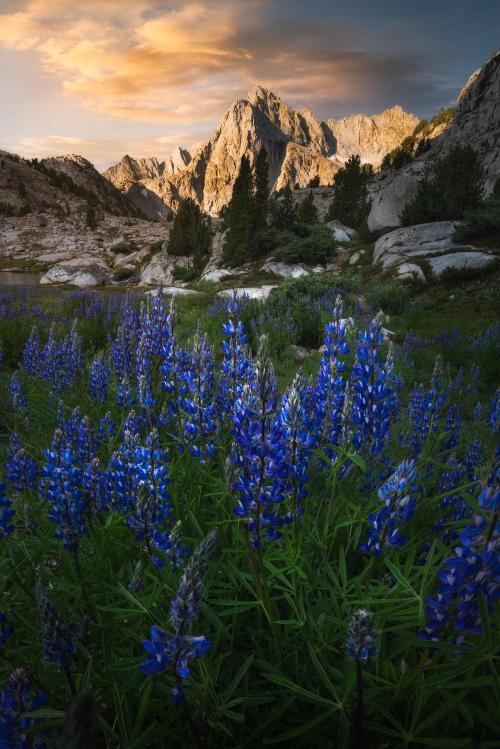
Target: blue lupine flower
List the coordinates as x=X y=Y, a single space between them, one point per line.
x=62 y=485
x=330 y=385
x=106 y=429
x=198 y=411
x=16 y=393
x=398 y=507
x=171 y=651
x=236 y=366
x=453 y=426
x=17 y=699
x=7 y=512
x=371 y=390
x=361 y=643
x=259 y=484
x=494 y=413
x=99 y=374
x=477 y=413
x=21 y=469
x=293 y=433
x=125 y=394
x=424 y=409
x=473 y=572
x=151 y=500
x=32 y=353
x=58 y=639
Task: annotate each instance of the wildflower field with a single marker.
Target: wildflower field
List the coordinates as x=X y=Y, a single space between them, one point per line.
x=205 y=543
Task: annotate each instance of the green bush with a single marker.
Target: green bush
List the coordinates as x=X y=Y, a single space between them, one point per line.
x=318 y=247
x=123 y=248
x=122 y=274
x=482 y=222
x=391 y=297
x=463 y=275
x=185 y=274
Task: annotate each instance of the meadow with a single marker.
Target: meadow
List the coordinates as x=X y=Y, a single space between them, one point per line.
x=206 y=542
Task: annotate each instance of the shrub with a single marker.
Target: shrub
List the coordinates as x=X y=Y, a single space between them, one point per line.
x=462 y=274
x=484 y=221
x=390 y=296
x=122 y=274
x=180 y=273
x=123 y=248
x=318 y=247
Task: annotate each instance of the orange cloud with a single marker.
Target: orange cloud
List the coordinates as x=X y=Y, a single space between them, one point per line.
x=184 y=60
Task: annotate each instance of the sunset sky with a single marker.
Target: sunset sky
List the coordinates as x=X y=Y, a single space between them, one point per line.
x=108 y=77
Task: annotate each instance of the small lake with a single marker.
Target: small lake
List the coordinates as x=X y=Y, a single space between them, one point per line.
x=20 y=278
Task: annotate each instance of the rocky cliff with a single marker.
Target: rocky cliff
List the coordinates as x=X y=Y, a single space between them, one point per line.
x=476 y=122
x=300 y=147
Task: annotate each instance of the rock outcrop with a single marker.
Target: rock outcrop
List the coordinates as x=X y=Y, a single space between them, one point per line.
x=476 y=122
x=432 y=242
x=371 y=137
x=300 y=148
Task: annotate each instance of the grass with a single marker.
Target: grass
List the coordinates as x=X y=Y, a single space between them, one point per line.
x=277 y=673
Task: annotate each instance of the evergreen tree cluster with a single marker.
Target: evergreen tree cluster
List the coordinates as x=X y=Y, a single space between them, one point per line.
x=455 y=188
x=190 y=234
x=350 y=202
x=246 y=213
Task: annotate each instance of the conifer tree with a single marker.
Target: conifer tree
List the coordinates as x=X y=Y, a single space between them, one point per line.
x=239 y=216
x=284 y=215
x=261 y=208
x=350 y=201
x=190 y=232
x=307 y=212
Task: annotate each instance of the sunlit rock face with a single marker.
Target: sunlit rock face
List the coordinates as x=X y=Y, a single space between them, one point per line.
x=300 y=148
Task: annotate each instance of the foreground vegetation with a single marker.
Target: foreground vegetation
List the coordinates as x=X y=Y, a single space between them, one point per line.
x=203 y=546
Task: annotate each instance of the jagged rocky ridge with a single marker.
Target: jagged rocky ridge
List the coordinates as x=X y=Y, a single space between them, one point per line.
x=300 y=147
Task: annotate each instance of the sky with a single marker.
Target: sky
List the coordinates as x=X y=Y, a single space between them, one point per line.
x=107 y=77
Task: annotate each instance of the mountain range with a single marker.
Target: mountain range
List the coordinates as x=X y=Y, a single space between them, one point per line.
x=300 y=147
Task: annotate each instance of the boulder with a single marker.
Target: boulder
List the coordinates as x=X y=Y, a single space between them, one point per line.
x=133 y=258
x=390 y=192
x=408 y=271
x=420 y=240
x=160 y=269
x=461 y=260
x=299 y=353
x=258 y=293
x=173 y=291
x=341 y=232
x=285 y=270
x=82 y=276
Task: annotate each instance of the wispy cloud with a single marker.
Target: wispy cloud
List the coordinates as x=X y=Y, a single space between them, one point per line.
x=177 y=62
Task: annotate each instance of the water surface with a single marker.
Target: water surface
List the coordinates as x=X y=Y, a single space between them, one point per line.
x=20 y=278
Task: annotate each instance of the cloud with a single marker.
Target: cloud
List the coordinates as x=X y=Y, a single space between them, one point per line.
x=180 y=62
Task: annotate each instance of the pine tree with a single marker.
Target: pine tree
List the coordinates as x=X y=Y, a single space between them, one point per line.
x=456 y=187
x=239 y=216
x=350 y=201
x=261 y=208
x=190 y=232
x=307 y=212
x=283 y=210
